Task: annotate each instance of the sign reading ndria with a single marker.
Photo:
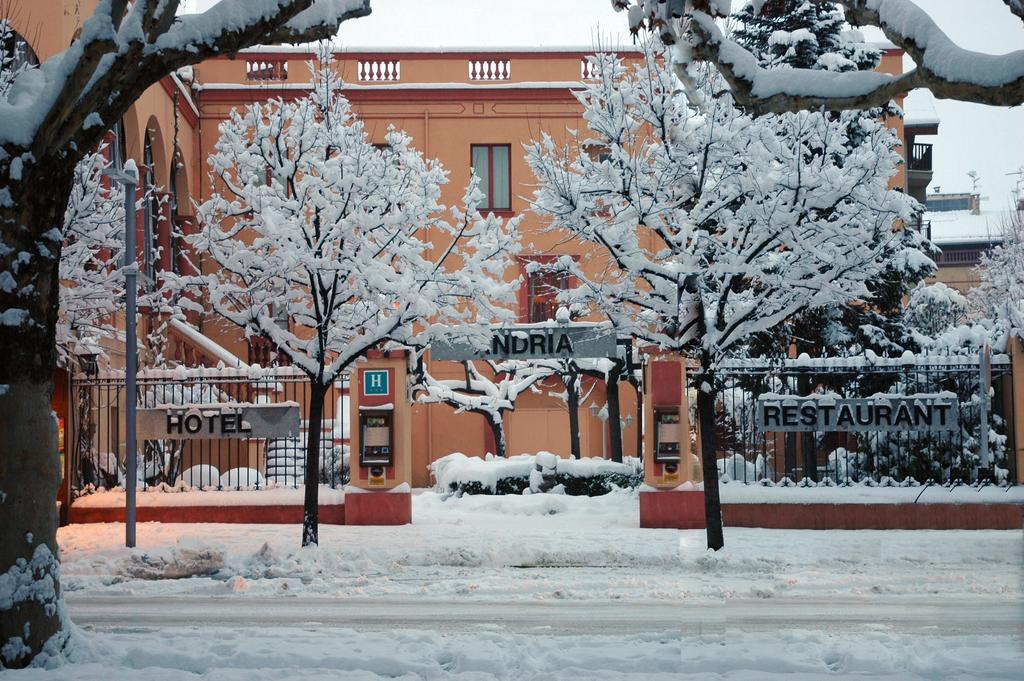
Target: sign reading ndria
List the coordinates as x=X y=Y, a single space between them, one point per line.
x=375 y=382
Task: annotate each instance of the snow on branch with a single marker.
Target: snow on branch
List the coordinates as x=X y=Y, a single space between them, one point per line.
x=943 y=67
x=123 y=49
x=232 y=24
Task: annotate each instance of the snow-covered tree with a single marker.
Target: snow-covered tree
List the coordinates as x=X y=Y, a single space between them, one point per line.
x=491 y=393
x=813 y=35
x=935 y=308
x=999 y=295
x=92 y=282
x=717 y=226
x=942 y=66
x=802 y=34
x=321 y=246
x=52 y=116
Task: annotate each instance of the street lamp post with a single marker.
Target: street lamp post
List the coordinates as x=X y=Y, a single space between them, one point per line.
x=129 y=178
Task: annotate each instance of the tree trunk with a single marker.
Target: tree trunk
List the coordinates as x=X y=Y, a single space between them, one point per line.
x=573 y=402
x=709 y=459
x=639 y=419
x=29 y=462
x=311 y=504
x=498 y=433
x=614 y=412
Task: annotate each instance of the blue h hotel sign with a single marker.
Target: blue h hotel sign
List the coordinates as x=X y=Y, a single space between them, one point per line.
x=375 y=382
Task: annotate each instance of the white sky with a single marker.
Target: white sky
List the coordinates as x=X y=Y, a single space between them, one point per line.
x=987 y=139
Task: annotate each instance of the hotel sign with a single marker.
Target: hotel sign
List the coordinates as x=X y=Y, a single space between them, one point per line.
x=533 y=342
x=928 y=413
x=217 y=421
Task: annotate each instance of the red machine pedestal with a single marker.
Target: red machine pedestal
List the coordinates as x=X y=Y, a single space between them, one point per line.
x=680 y=510
x=378 y=508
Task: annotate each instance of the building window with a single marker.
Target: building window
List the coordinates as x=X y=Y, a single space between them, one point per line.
x=15 y=52
x=490 y=162
x=542 y=287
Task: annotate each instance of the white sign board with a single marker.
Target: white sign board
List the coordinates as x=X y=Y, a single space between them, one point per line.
x=218 y=421
x=541 y=341
x=790 y=414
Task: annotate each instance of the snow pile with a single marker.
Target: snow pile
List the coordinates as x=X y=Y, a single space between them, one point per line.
x=180 y=563
x=531 y=473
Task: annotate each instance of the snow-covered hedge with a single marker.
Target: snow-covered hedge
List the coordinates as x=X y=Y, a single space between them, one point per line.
x=532 y=473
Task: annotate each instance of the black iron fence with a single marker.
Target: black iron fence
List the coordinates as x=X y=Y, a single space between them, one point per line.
x=750 y=453
x=97 y=438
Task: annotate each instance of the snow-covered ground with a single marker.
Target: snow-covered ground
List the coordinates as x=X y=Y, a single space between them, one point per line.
x=515 y=547
x=251 y=654
x=541 y=586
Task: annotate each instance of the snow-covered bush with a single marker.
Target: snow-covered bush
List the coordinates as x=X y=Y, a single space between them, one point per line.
x=935 y=308
x=201 y=476
x=461 y=474
x=845 y=466
x=242 y=478
x=735 y=467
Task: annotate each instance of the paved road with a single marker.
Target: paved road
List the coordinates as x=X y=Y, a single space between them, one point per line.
x=939 y=615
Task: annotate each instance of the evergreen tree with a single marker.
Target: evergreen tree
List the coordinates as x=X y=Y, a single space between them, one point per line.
x=813 y=35
x=803 y=34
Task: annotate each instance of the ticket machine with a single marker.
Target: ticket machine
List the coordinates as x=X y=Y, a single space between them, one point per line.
x=671 y=468
x=376 y=444
x=381 y=443
x=667 y=436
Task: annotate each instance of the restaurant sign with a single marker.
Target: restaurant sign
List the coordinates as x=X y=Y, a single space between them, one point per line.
x=822 y=413
x=218 y=421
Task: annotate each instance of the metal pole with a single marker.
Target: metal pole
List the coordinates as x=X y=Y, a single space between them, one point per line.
x=130 y=269
x=129 y=178
x=131 y=361
x=985 y=380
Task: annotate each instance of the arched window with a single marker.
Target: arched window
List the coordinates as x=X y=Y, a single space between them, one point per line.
x=151 y=214
x=15 y=49
x=15 y=55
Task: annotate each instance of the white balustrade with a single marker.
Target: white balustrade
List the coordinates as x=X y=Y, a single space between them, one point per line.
x=490 y=69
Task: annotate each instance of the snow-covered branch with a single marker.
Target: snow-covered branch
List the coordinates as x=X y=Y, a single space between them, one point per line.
x=490 y=393
x=942 y=66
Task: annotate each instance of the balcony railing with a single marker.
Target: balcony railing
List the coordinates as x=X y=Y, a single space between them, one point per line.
x=266 y=70
x=490 y=69
x=967 y=256
x=920 y=157
x=379 y=70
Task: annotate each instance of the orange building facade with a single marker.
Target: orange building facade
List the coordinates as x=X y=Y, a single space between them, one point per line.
x=461 y=107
